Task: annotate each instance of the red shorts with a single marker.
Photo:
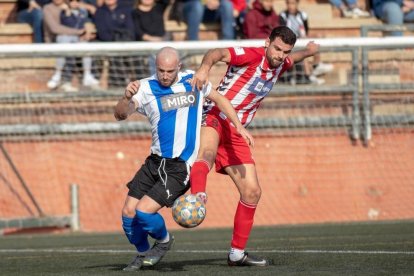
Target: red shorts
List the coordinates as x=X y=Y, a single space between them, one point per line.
x=233 y=149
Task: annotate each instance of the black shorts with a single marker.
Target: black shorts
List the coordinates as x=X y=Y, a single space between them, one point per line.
x=162 y=179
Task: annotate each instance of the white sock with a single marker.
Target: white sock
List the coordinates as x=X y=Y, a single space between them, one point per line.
x=236 y=254
x=166 y=239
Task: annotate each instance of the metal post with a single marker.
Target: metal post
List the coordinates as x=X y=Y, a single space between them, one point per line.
x=19 y=176
x=356 y=121
x=75 y=223
x=366 y=105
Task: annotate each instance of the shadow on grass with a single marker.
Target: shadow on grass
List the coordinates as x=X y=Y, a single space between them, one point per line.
x=171 y=266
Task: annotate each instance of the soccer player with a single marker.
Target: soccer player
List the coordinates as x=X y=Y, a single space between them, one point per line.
x=174 y=112
x=251 y=74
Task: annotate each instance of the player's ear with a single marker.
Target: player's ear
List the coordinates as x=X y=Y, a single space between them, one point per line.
x=267 y=42
x=179 y=66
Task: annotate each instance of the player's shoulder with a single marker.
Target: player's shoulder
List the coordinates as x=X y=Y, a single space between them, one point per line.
x=249 y=51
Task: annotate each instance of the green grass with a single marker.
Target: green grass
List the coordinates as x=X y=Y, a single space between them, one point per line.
x=328 y=249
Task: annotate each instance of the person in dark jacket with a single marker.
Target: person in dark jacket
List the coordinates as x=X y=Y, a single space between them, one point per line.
x=260 y=21
x=114 y=22
x=148 y=18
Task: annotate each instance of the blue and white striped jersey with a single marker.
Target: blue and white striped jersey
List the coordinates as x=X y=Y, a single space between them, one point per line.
x=174 y=114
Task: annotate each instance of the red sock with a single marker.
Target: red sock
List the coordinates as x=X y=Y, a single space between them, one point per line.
x=243 y=222
x=198 y=176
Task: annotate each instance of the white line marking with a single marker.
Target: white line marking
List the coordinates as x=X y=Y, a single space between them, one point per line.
x=113 y=251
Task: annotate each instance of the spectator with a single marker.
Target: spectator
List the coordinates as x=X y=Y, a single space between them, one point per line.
x=394 y=12
x=30 y=12
x=55 y=31
x=114 y=22
x=148 y=18
x=75 y=15
x=297 y=21
x=349 y=8
x=260 y=21
x=239 y=14
x=195 y=12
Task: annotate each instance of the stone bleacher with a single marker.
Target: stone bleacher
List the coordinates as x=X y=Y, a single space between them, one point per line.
x=324 y=21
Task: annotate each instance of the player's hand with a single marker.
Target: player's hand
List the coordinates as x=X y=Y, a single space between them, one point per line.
x=200 y=78
x=246 y=136
x=131 y=89
x=312 y=47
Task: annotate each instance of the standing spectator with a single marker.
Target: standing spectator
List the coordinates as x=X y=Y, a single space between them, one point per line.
x=349 y=8
x=30 y=12
x=195 y=12
x=394 y=12
x=260 y=21
x=114 y=22
x=297 y=21
x=55 y=31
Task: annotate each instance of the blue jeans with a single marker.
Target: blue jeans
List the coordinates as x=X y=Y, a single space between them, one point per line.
x=338 y=3
x=194 y=13
x=35 y=19
x=393 y=15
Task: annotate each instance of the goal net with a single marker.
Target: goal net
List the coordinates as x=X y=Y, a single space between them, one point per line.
x=341 y=151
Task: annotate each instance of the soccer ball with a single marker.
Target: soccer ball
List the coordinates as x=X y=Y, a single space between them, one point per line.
x=188 y=211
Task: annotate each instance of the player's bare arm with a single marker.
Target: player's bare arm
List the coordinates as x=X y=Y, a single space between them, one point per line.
x=126 y=105
x=212 y=57
x=225 y=106
x=311 y=49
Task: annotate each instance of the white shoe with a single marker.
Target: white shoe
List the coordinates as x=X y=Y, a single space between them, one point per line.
x=315 y=80
x=54 y=81
x=68 y=87
x=347 y=13
x=322 y=68
x=357 y=12
x=89 y=80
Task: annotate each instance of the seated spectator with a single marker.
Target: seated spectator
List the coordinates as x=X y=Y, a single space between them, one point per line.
x=349 y=8
x=195 y=12
x=56 y=31
x=148 y=18
x=297 y=21
x=30 y=12
x=260 y=20
x=394 y=12
x=114 y=23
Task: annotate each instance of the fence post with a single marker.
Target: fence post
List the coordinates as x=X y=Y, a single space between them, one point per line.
x=75 y=223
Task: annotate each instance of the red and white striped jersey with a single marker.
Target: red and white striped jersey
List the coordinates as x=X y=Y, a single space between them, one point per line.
x=248 y=80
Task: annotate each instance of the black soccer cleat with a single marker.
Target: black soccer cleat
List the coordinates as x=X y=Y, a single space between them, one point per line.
x=248 y=260
x=135 y=265
x=157 y=252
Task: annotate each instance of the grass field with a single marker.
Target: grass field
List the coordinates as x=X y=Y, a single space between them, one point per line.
x=329 y=249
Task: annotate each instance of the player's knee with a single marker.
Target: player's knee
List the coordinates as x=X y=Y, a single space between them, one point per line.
x=208 y=155
x=251 y=194
x=128 y=211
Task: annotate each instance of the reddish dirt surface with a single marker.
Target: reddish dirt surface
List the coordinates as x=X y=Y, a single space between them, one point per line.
x=304 y=179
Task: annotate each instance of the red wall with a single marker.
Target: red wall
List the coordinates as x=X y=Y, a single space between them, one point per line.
x=304 y=179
